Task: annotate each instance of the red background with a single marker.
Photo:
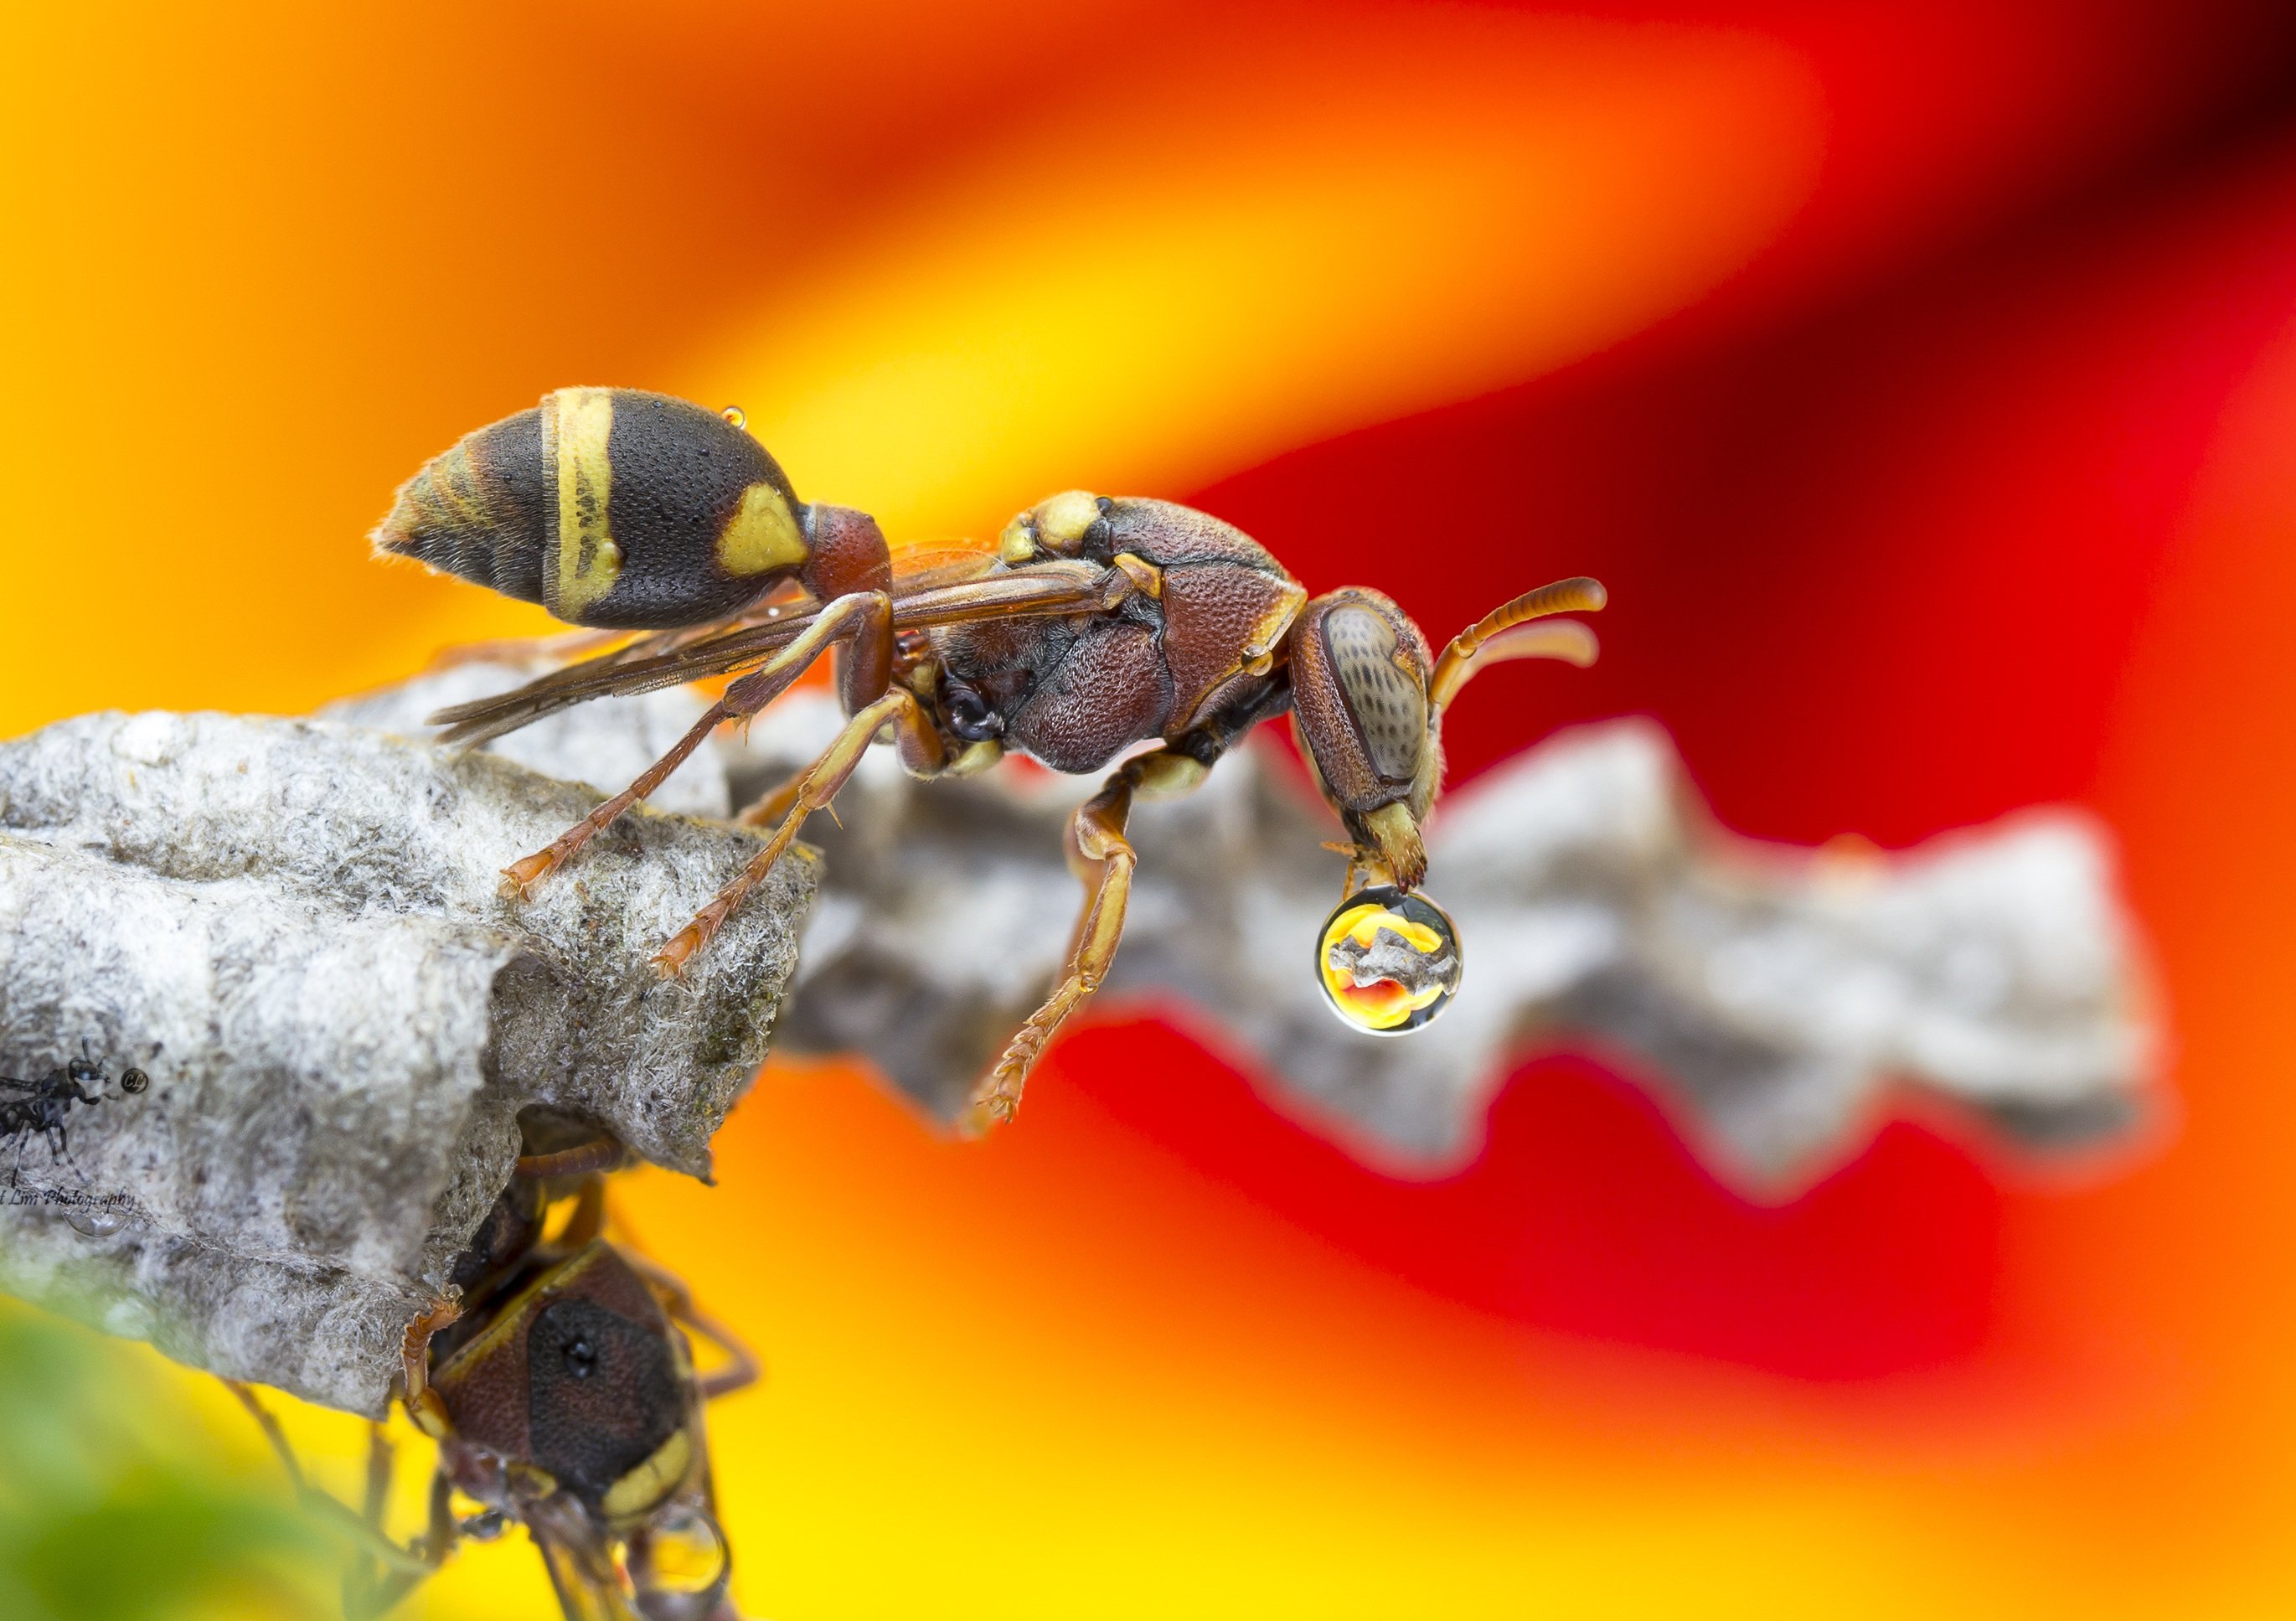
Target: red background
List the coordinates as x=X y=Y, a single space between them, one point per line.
x=1931 y=422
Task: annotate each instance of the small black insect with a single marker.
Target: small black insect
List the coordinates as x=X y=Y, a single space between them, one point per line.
x=45 y=1111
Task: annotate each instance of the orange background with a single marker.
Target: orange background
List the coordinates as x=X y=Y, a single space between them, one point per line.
x=1919 y=377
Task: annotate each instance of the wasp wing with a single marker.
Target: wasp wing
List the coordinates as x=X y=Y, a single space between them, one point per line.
x=928 y=565
x=1042 y=588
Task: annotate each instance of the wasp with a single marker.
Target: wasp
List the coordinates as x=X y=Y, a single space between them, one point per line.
x=46 y=1110
x=1093 y=625
x=557 y=1379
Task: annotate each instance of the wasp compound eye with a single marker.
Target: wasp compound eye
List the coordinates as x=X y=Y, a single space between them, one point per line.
x=581 y=1358
x=1389 y=962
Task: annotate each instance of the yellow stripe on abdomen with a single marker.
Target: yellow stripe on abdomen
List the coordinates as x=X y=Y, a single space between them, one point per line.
x=577 y=424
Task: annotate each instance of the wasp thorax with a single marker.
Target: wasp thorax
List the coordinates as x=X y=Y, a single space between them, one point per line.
x=1389 y=962
x=1053 y=526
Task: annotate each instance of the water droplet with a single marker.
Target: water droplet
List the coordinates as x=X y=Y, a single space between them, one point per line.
x=735 y=415
x=1388 y=962
x=681 y=1551
x=100 y=1223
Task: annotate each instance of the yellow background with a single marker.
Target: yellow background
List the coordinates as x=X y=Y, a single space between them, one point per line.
x=262 y=261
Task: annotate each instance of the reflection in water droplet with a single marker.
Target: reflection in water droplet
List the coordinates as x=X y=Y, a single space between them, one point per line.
x=1388 y=962
x=735 y=415
x=682 y=1551
x=100 y=1223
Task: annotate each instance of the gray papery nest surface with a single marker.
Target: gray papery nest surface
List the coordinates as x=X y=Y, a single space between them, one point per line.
x=1770 y=996
x=296 y=928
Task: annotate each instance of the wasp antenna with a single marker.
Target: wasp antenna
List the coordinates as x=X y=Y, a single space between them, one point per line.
x=1565 y=639
x=1577 y=594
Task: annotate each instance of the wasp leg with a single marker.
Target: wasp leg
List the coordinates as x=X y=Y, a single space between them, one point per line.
x=769 y=807
x=1104 y=860
x=379 y=1456
x=576 y=1551
x=269 y=1426
x=378 y=1584
x=439 y=1538
x=376 y=1548
x=741 y=1370
x=865 y=617
x=414 y=1566
x=920 y=751
x=523 y=875
x=363 y=1582
x=601 y=1153
x=589 y=1220
x=424 y=1405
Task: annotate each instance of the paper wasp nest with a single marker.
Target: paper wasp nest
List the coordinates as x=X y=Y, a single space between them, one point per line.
x=296 y=929
x=1770 y=996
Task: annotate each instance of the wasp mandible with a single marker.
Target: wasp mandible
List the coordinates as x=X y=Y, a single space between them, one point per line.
x=1093 y=624
x=559 y=1387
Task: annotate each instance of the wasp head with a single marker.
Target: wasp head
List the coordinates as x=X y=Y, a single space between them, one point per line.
x=1360 y=683
x=1367 y=702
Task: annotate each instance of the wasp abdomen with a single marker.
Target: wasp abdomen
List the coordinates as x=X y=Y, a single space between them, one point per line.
x=610 y=507
x=477 y=509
